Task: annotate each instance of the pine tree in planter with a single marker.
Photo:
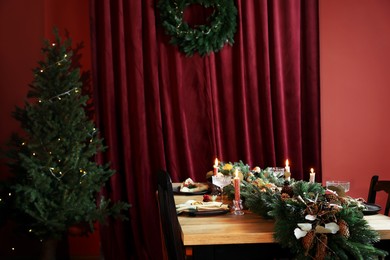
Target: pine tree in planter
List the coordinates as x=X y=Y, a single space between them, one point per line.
x=55 y=178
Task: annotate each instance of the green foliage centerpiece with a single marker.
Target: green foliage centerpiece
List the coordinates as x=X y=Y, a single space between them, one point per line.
x=314 y=223
x=55 y=178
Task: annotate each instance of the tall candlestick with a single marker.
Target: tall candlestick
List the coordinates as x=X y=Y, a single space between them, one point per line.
x=287 y=173
x=236 y=186
x=312 y=176
x=237 y=206
x=216 y=166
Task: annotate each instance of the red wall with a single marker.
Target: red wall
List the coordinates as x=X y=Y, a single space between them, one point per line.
x=355 y=91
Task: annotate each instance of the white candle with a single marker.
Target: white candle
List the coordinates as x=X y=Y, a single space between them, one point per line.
x=312 y=176
x=236 y=186
x=287 y=173
x=216 y=166
x=287 y=166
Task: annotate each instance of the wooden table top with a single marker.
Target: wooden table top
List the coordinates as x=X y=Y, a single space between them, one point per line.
x=249 y=228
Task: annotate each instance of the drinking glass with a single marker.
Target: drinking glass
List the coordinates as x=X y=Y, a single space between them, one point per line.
x=344 y=185
x=276 y=171
x=221 y=182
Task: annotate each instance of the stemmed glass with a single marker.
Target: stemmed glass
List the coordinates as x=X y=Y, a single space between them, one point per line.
x=221 y=181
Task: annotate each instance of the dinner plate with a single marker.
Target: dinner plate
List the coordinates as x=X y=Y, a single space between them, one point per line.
x=207 y=212
x=371 y=209
x=176 y=190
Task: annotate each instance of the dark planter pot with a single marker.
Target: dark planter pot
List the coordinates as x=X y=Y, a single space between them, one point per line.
x=55 y=249
x=49 y=249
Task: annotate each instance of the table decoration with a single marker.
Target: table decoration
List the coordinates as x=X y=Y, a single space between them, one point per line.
x=312 y=176
x=287 y=173
x=236 y=182
x=221 y=181
x=215 y=172
x=237 y=208
x=371 y=208
x=202 y=208
x=310 y=220
x=237 y=202
x=341 y=187
x=189 y=187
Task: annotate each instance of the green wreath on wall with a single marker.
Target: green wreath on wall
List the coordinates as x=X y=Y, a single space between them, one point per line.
x=202 y=38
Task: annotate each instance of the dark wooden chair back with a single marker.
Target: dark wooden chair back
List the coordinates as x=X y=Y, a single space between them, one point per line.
x=377 y=185
x=169 y=222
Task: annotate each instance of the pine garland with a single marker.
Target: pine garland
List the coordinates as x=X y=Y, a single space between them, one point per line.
x=289 y=212
x=311 y=222
x=203 y=38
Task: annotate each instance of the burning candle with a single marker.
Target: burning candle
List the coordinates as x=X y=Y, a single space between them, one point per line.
x=236 y=186
x=312 y=176
x=287 y=166
x=287 y=173
x=216 y=166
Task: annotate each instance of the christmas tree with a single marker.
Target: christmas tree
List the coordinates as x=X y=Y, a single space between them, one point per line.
x=55 y=178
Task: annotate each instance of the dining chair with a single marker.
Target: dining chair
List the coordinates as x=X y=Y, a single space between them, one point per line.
x=169 y=221
x=379 y=185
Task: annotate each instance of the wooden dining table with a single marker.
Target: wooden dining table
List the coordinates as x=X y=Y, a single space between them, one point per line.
x=250 y=228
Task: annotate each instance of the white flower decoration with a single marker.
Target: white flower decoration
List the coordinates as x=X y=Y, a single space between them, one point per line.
x=305 y=226
x=333 y=227
x=302 y=230
x=299 y=233
x=329 y=228
x=311 y=217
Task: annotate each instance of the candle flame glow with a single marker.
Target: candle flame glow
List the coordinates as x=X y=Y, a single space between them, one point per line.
x=312 y=170
x=216 y=162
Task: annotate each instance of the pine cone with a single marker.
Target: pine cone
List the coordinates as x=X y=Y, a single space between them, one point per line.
x=343 y=228
x=307 y=241
x=285 y=196
x=343 y=200
x=287 y=189
x=312 y=208
x=331 y=197
x=322 y=245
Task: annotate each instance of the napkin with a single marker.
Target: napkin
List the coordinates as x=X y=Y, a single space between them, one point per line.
x=193 y=205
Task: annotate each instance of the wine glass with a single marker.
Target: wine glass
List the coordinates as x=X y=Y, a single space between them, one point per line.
x=221 y=181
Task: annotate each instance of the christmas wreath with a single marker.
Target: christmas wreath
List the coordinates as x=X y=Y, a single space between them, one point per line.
x=201 y=38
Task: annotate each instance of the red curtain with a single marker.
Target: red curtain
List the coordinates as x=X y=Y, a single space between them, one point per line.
x=256 y=101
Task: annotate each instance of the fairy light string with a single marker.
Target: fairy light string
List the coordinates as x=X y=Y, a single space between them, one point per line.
x=58 y=63
x=55 y=171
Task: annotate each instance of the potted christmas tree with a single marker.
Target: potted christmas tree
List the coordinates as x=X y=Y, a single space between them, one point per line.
x=55 y=178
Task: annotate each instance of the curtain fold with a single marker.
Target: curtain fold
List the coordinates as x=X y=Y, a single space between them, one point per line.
x=256 y=101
